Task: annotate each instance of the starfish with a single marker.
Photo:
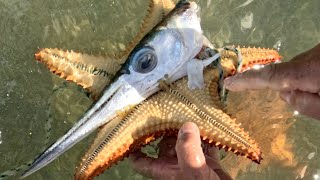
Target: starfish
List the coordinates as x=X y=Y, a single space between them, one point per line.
x=146 y=98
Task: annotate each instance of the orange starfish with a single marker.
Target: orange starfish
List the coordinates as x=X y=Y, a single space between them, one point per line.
x=137 y=106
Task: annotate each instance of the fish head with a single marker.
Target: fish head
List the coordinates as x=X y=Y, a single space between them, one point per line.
x=163 y=53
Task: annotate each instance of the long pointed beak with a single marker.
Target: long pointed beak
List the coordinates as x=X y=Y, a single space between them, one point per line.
x=116 y=98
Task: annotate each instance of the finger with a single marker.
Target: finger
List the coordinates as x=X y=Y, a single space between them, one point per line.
x=191 y=159
x=167 y=147
x=140 y=163
x=301 y=73
x=211 y=155
x=188 y=147
x=211 y=151
x=304 y=102
x=155 y=168
x=212 y=159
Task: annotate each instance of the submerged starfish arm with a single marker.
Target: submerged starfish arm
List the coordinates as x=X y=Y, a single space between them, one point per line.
x=164 y=113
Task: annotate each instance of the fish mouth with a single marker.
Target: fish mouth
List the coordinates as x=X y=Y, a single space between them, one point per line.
x=117 y=100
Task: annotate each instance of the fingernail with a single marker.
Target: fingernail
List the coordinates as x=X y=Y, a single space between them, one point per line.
x=187 y=128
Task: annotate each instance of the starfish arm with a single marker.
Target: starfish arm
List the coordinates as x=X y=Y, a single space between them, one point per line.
x=91 y=72
x=168 y=5
x=251 y=57
x=164 y=113
x=258 y=56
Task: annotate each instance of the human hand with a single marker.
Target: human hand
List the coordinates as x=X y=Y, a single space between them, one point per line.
x=185 y=161
x=297 y=80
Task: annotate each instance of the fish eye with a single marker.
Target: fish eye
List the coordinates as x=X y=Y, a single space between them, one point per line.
x=145 y=60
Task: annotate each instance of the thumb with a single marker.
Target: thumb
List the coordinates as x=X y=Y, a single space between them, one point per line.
x=191 y=159
x=304 y=102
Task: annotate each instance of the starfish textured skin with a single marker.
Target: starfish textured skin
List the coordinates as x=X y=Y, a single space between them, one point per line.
x=162 y=113
x=166 y=111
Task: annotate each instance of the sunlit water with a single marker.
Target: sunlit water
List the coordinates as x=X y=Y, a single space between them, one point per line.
x=30 y=95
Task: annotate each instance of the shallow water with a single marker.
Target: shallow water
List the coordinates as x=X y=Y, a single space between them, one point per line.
x=30 y=95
